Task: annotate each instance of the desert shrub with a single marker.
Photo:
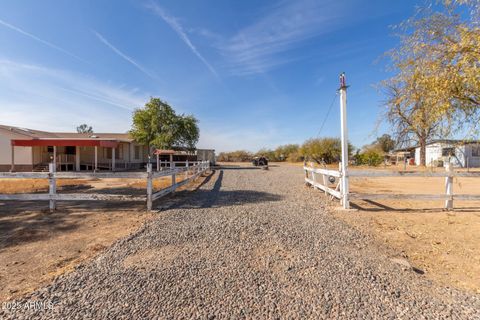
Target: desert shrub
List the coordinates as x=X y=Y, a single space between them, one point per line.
x=235 y=156
x=295 y=157
x=268 y=153
x=370 y=157
x=323 y=149
x=283 y=153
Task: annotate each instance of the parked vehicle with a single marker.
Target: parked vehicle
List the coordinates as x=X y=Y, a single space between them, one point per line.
x=260 y=161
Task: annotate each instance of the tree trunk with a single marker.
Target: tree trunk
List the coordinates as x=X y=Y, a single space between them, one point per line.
x=423 y=150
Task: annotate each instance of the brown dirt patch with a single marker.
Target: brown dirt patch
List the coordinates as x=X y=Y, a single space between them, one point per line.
x=40 y=246
x=36 y=246
x=444 y=244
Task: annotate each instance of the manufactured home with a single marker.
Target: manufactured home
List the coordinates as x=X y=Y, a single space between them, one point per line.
x=460 y=153
x=24 y=149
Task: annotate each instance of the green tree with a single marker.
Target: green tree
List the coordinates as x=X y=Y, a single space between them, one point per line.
x=435 y=91
x=157 y=125
x=268 y=153
x=326 y=150
x=385 y=143
x=283 y=152
x=371 y=156
x=84 y=128
x=188 y=132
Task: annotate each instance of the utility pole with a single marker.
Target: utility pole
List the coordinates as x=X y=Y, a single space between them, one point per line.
x=344 y=137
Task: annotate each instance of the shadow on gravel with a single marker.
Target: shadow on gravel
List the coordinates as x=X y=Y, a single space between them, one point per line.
x=238 y=168
x=205 y=199
x=220 y=198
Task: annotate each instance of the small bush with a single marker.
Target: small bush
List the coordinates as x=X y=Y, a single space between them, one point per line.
x=295 y=157
x=326 y=150
x=235 y=156
x=370 y=157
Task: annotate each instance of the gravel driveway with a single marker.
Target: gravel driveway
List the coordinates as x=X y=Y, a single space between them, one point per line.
x=249 y=243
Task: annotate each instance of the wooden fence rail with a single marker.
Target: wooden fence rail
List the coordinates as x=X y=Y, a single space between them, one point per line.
x=191 y=171
x=312 y=178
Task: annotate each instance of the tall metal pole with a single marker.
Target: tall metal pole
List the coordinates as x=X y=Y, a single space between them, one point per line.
x=344 y=137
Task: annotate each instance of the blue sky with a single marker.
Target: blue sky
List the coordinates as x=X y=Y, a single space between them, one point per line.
x=255 y=73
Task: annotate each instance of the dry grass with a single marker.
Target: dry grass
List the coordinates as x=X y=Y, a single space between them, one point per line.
x=10 y=186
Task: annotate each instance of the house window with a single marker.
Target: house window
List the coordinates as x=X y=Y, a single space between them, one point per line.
x=70 y=150
x=50 y=149
x=137 y=152
x=446 y=152
x=476 y=150
x=107 y=152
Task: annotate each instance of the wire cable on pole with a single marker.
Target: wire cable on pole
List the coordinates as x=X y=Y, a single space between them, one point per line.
x=328 y=113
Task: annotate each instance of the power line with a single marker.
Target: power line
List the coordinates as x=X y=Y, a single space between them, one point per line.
x=328 y=113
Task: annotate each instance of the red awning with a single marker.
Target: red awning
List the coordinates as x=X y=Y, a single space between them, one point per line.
x=65 y=143
x=163 y=152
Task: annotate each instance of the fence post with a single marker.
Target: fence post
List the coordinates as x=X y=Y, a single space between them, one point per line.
x=449 y=186
x=173 y=173
x=149 y=186
x=186 y=170
x=306 y=172
x=52 y=187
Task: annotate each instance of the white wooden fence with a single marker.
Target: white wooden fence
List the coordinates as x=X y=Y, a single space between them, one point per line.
x=319 y=179
x=190 y=171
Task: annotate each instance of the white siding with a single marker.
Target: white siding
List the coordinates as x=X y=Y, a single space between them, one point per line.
x=23 y=155
x=473 y=161
x=434 y=153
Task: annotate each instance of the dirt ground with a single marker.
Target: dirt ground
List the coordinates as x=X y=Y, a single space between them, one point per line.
x=36 y=245
x=443 y=244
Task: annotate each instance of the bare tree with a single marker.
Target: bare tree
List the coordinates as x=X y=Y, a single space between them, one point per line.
x=84 y=128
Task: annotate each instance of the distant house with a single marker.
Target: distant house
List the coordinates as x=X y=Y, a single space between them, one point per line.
x=402 y=155
x=24 y=149
x=459 y=153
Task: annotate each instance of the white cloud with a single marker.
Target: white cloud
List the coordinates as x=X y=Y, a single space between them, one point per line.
x=45 y=42
x=54 y=99
x=124 y=56
x=257 y=47
x=176 y=26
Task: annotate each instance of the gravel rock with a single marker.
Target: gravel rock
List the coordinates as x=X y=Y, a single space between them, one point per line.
x=249 y=243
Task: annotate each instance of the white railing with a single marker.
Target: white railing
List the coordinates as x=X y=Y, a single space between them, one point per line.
x=190 y=172
x=320 y=179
